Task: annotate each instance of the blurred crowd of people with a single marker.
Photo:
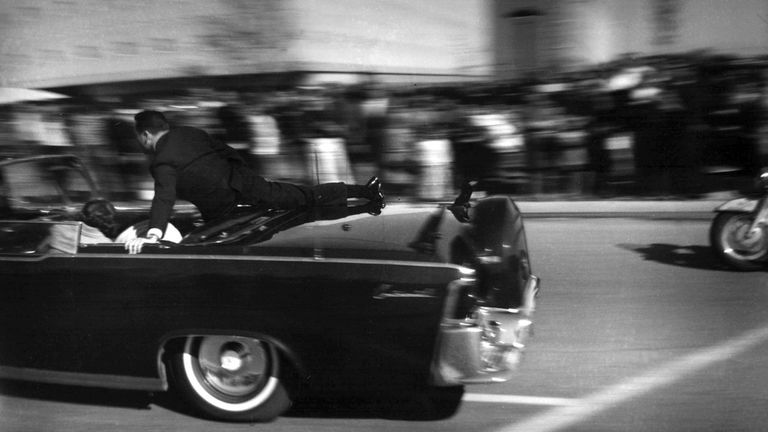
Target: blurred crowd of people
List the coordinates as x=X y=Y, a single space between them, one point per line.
x=672 y=125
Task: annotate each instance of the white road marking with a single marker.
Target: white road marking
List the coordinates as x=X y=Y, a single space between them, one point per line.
x=562 y=417
x=518 y=400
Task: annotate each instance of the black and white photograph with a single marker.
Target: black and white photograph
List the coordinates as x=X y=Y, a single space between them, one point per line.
x=383 y=215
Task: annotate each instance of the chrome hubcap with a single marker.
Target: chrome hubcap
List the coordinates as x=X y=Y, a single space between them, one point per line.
x=233 y=366
x=741 y=242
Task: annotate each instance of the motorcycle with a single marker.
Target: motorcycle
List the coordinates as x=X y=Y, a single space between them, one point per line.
x=739 y=232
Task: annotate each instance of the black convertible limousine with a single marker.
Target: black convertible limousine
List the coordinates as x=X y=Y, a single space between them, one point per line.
x=249 y=313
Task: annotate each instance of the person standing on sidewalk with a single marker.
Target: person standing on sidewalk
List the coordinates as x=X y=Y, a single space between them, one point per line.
x=187 y=163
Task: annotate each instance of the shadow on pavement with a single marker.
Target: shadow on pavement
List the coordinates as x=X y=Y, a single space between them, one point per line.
x=437 y=405
x=76 y=395
x=131 y=399
x=694 y=256
x=424 y=405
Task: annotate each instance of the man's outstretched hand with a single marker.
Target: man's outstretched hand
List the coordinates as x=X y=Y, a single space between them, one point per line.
x=134 y=246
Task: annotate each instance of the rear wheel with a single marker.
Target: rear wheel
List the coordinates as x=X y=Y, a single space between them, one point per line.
x=733 y=242
x=230 y=378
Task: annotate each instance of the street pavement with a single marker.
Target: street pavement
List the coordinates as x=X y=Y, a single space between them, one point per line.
x=677 y=209
x=701 y=207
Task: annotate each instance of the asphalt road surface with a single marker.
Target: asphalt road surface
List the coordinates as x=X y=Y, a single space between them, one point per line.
x=638 y=328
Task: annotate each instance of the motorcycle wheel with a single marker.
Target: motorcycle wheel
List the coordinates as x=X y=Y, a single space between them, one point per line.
x=730 y=241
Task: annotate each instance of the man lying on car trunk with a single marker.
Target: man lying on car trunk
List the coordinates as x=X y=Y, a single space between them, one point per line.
x=187 y=163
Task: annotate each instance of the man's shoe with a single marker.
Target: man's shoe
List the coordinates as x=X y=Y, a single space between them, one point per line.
x=374 y=207
x=374 y=189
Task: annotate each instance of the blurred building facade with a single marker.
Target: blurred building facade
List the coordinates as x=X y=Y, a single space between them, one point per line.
x=534 y=35
x=75 y=42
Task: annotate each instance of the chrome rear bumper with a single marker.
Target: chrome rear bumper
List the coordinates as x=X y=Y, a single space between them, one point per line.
x=488 y=346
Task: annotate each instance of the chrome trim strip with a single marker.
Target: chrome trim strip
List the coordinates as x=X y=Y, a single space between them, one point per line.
x=40 y=222
x=241 y=258
x=121 y=382
x=22 y=160
x=34 y=258
x=454 y=294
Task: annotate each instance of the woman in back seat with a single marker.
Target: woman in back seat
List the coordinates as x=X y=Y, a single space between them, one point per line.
x=99 y=226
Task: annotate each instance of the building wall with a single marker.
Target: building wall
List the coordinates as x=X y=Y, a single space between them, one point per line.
x=64 y=42
x=578 y=33
x=737 y=25
x=71 y=42
x=393 y=36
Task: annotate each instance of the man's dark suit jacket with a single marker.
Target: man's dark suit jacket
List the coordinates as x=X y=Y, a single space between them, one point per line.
x=188 y=164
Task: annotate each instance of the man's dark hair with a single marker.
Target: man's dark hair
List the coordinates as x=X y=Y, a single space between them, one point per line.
x=152 y=121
